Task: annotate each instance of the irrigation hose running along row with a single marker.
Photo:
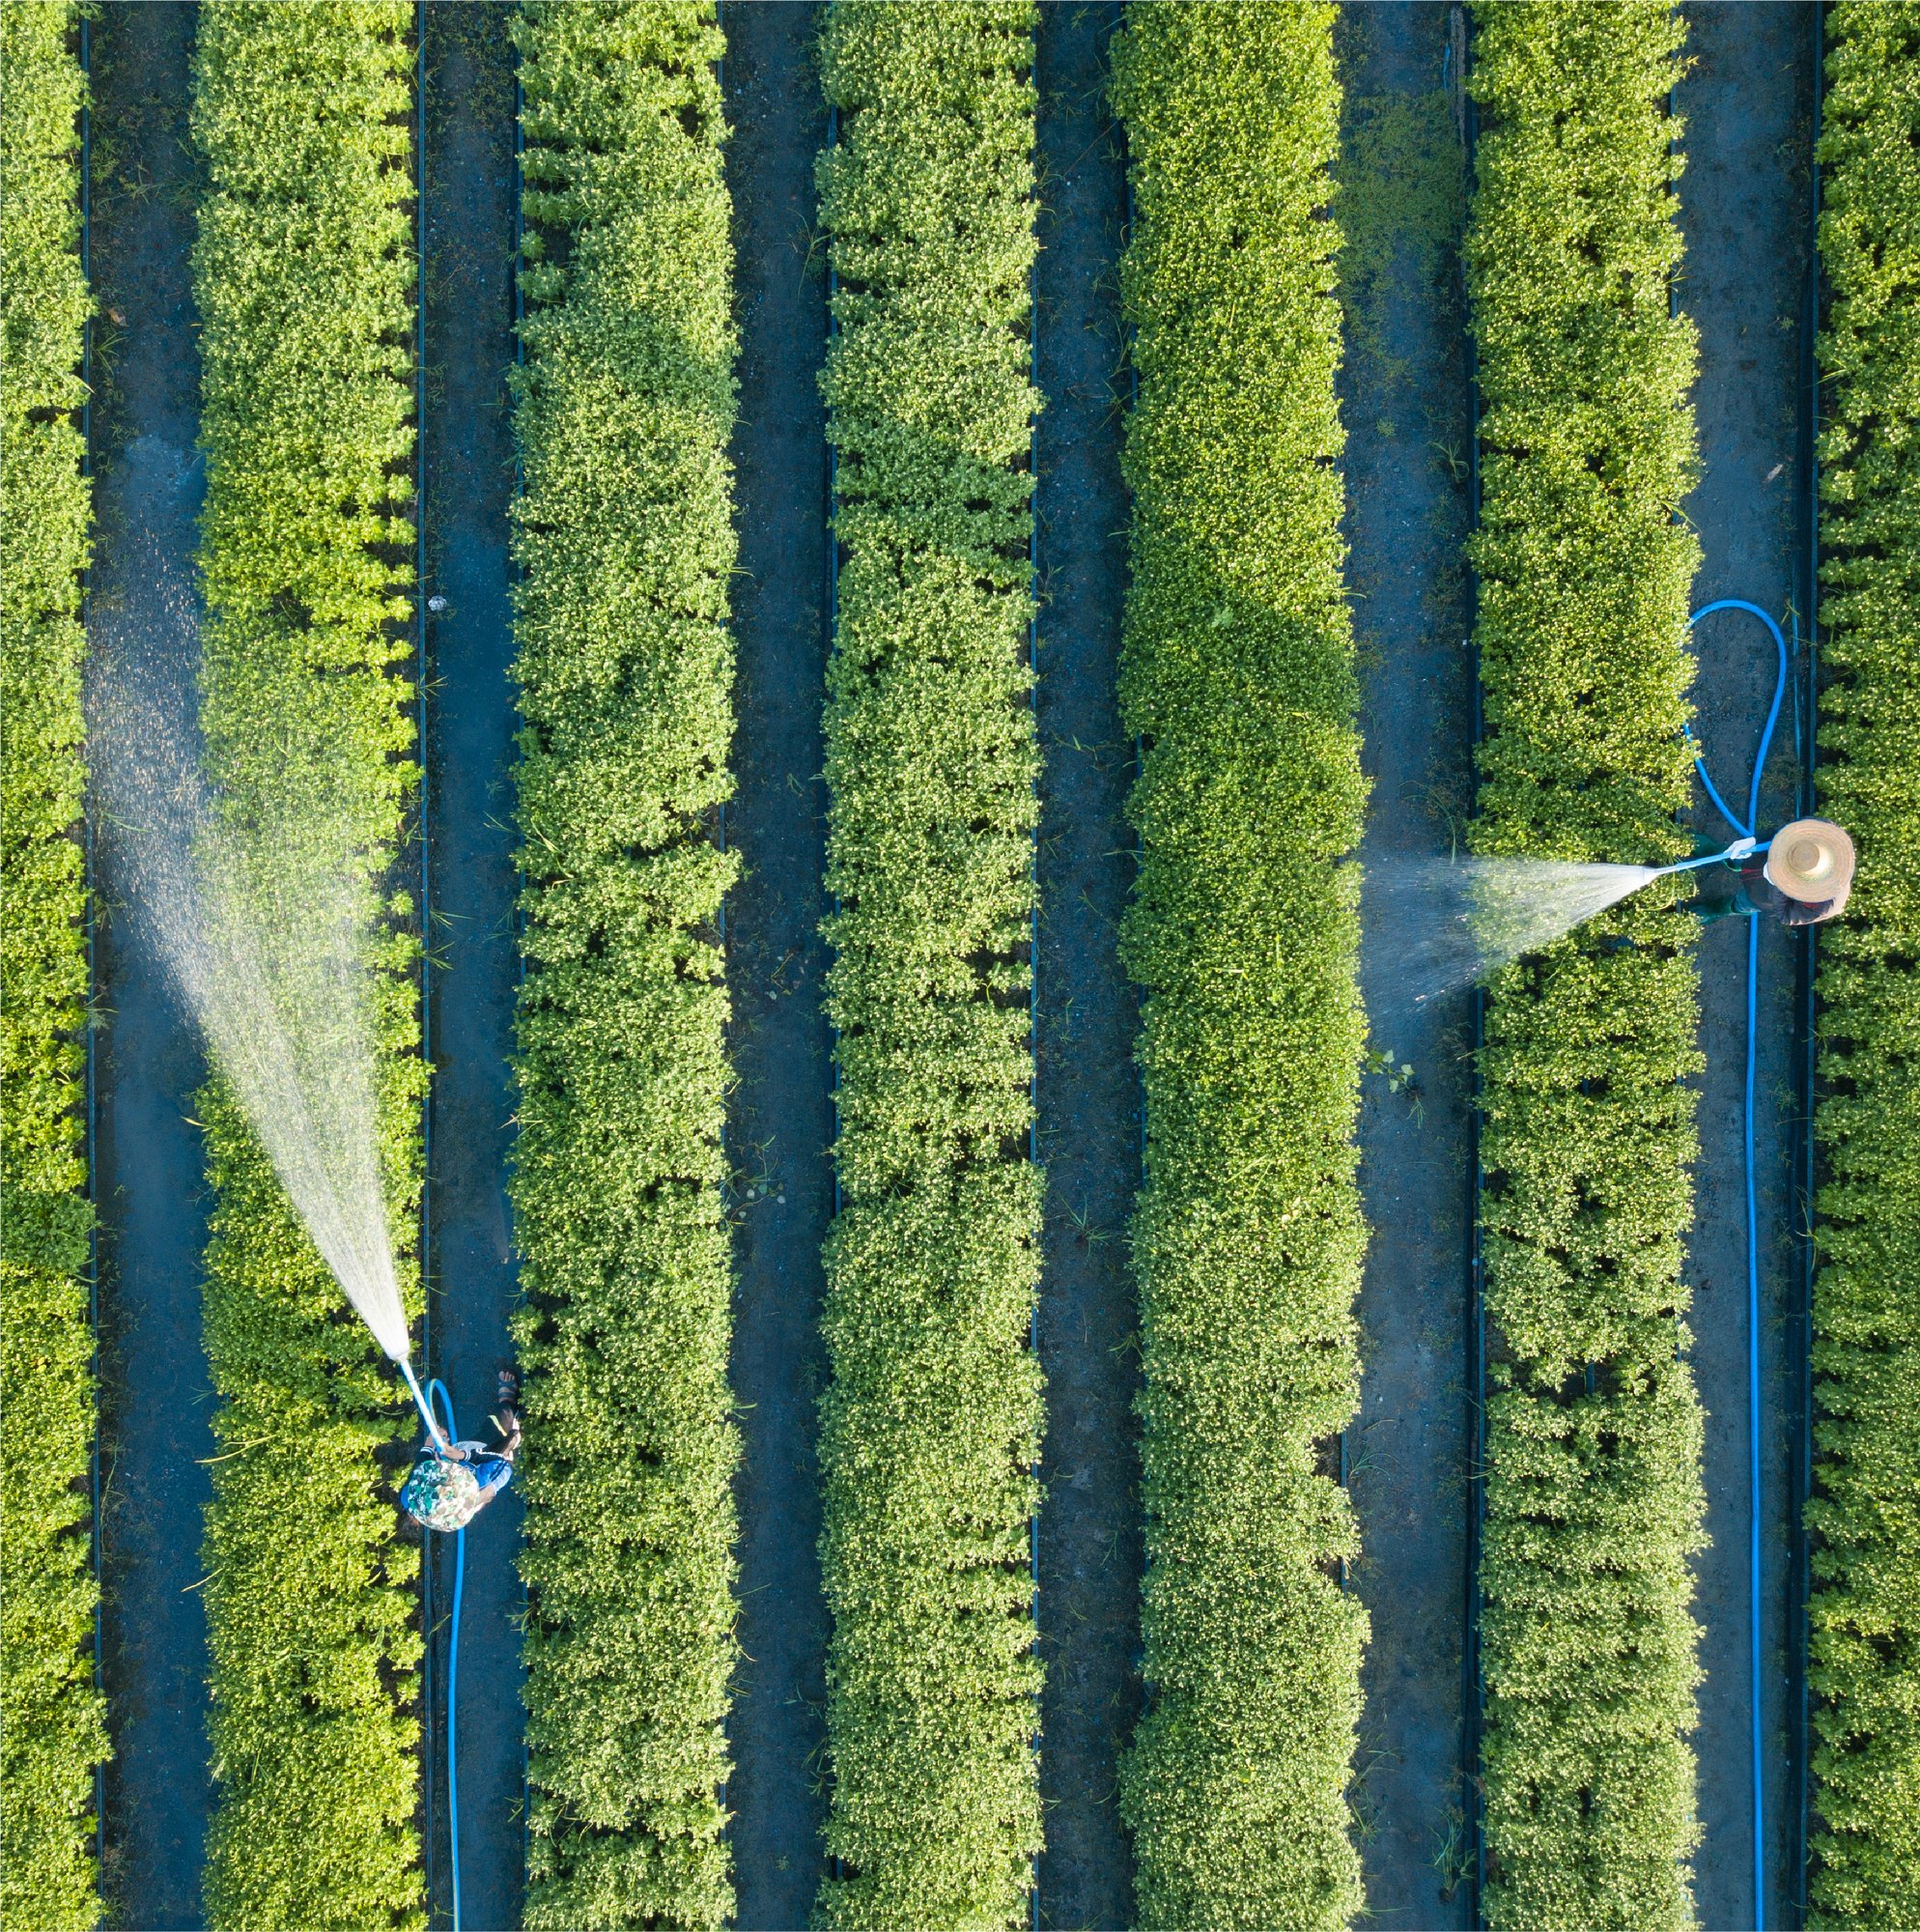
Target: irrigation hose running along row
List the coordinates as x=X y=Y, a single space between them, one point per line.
x=437 y=1390
x=1745 y=831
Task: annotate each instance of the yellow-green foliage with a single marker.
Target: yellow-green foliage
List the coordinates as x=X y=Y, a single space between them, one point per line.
x=1865 y=1659
x=930 y=1428
x=304 y=283
x=1594 y=1430
x=1237 y=675
x=624 y=542
x=52 y=1729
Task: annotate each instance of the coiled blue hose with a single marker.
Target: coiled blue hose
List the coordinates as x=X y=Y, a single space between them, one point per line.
x=1747 y=831
x=437 y=1389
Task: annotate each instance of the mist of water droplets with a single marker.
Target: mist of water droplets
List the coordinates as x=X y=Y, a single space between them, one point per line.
x=262 y=928
x=1435 y=926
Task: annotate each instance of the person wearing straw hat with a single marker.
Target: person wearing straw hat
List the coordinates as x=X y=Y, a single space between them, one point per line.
x=1801 y=876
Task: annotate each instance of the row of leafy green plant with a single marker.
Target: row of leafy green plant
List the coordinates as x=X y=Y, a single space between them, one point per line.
x=52 y=1730
x=1237 y=675
x=930 y=1427
x=1593 y=1432
x=623 y=540
x=1864 y=1664
x=304 y=280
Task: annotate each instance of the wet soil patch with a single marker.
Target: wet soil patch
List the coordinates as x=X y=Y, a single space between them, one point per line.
x=1404 y=399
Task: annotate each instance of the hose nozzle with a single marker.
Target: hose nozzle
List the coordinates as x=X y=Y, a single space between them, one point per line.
x=1741 y=848
x=433 y=1431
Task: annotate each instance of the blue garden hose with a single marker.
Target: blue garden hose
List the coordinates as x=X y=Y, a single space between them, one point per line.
x=439 y=1440
x=437 y=1387
x=1746 y=831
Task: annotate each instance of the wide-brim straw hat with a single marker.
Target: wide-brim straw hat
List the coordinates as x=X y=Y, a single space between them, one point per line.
x=1811 y=860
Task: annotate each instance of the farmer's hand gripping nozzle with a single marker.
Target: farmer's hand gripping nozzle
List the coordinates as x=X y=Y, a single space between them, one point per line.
x=1740 y=849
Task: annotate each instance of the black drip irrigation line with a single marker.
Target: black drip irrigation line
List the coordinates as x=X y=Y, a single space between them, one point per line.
x=88 y=886
x=719 y=922
x=516 y=576
x=1800 y=1327
x=1130 y=334
x=719 y=84
x=429 y=1837
x=834 y=627
x=837 y=1865
x=1033 y=934
x=1472 y=1794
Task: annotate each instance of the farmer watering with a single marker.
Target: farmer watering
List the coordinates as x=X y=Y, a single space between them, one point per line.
x=453 y=1482
x=1801 y=876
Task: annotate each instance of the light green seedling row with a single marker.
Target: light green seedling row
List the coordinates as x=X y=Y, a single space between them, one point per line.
x=1594 y=1430
x=623 y=537
x=930 y=1428
x=52 y=1731
x=304 y=279
x=1865 y=1518
x=1237 y=675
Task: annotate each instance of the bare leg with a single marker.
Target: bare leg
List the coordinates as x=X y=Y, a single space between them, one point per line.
x=507 y=1421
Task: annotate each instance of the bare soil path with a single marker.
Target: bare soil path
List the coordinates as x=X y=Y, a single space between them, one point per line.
x=155 y=1399
x=1404 y=399
x=1085 y=1085
x=468 y=453
x=1744 y=205
x=781 y=1125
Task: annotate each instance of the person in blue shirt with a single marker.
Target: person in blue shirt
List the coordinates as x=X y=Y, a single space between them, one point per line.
x=451 y=1486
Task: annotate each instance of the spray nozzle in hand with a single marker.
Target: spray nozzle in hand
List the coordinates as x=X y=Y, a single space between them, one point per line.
x=1741 y=848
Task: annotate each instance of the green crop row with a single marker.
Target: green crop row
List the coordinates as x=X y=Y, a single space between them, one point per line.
x=624 y=541
x=1594 y=1430
x=930 y=1428
x=304 y=279
x=1865 y=1641
x=1237 y=676
x=53 y=1732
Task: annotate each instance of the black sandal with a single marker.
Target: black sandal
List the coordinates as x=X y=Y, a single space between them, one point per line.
x=506 y=1391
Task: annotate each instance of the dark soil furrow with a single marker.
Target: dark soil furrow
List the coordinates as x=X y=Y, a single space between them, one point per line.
x=780 y=1123
x=1745 y=209
x=154 y=1393
x=1086 y=1087
x=467 y=451
x=1405 y=401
